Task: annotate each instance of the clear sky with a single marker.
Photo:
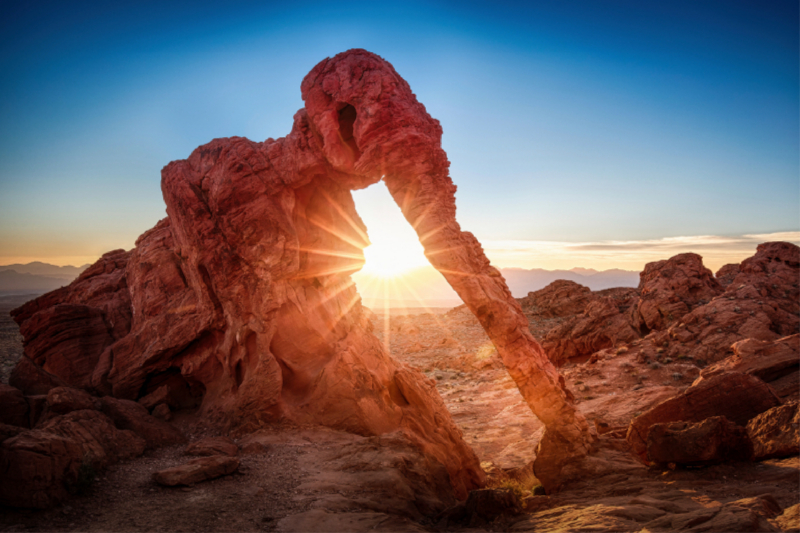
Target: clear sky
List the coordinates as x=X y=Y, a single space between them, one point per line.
x=591 y=133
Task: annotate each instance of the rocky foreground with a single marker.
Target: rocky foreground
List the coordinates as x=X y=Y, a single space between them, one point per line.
x=702 y=444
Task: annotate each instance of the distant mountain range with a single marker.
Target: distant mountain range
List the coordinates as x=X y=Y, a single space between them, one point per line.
x=423 y=286
x=36 y=277
x=521 y=281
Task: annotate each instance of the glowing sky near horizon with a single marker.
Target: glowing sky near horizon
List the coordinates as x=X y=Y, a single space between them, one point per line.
x=580 y=133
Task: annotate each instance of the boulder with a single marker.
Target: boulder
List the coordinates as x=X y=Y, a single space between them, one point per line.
x=32 y=379
x=670 y=289
x=776 y=432
x=789 y=520
x=162 y=412
x=762 y=303
x=36 y=467
x=7 y=431
x=213 y=446
x=769 y=361
x=130 y=415
x=61 y=400
x=727 y=274
x=603 y=324
x=13 y=407
x=738 y=397
x=561 y=298
x=197 y=470
x=101 y=442
x=714 y=440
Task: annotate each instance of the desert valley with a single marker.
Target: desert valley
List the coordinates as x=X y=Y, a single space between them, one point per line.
x=225 y=374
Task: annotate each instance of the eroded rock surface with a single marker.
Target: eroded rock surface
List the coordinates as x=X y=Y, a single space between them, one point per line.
x=737 y=397
x=713 y=440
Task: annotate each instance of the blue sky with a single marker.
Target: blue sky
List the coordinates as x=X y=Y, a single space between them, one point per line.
x=565 y=122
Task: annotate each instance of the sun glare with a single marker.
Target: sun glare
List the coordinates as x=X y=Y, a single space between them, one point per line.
x=395 y=247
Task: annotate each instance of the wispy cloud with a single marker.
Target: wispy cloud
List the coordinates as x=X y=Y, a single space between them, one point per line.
x=633 y=255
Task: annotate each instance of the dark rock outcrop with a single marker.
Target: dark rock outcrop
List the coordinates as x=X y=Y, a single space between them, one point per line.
x=713 y=440
x=737 y=397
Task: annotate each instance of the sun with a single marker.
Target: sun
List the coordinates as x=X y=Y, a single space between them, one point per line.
x=390 y=260
x=395 y=248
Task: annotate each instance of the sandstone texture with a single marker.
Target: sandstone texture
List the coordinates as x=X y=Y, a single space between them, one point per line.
x=70 y=443
x=604 y=323
x=776 y=432
x=62 y=400
x=776 y=363
x=737 y=397
x=671 y=288
x=714 y=440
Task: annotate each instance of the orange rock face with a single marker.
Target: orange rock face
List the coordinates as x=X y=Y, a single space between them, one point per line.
x=240 y=301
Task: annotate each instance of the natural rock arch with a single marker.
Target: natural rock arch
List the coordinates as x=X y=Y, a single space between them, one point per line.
x=244 y=290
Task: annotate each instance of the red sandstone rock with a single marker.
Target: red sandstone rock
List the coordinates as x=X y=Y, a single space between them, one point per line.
x=97 y=437
x=197 y=470
x=775 y=363
x=776 y=432
x=130 y=415
x=61 y=400
x=66 y=331
x=13 y=407
x=242 y=296
x=603 y=324
x=727 y=274
x=162 y=412
x=669 y=289
x=7 y=431
x=737 y=397
x=34 y=467
x=762 y=303
x=32 y=379
x=559 y=299
x=213 y=446
x=714 y=440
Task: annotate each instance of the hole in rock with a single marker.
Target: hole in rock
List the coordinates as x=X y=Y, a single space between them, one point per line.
x=396 y=272
x=239 y=373
x=347 y=120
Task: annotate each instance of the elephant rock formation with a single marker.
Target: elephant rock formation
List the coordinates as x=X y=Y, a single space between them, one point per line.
x=240 y=302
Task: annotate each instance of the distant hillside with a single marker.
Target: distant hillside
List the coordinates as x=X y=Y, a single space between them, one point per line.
x=36 y=278
x=37 y=268
x=521 y=281
x=12 y=282
x=425 y=286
